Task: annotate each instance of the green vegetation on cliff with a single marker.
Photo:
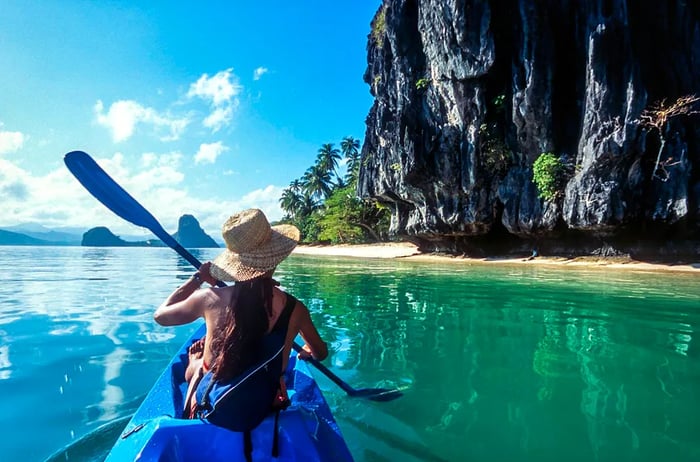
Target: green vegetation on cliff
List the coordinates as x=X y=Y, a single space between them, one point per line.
x=547 y=174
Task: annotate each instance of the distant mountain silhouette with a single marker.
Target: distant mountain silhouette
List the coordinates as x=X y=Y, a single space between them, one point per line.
x=191 y=235
x=10 y=238
x=26 y=228
x=103 y=237
x=45 y=235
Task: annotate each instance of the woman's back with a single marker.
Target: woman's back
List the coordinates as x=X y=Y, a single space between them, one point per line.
x=220 y=321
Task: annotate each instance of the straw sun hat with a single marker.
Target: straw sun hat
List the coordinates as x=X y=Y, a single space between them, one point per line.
x=253 y=247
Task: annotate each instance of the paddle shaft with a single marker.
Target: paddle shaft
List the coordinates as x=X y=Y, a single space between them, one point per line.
x=319 y=365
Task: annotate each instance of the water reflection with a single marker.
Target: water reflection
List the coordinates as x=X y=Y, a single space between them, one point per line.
x=202 y=255
x=5 y=364
x=98 y=255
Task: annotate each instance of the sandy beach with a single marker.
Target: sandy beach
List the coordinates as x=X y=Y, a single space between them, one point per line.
x=408 y=251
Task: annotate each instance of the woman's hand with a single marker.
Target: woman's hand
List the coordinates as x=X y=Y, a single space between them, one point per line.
x=305 y=352
x=205 y=274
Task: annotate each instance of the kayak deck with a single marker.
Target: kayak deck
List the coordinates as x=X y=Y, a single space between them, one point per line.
x=307 y=430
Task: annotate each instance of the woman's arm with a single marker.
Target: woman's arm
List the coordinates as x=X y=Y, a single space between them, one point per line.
x=186 y=303
x=313 y=344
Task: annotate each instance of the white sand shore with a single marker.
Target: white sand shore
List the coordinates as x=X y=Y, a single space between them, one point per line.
x=381 y=250
x=410 y=252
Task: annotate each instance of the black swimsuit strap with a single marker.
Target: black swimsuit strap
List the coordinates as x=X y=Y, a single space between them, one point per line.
x=282 y=323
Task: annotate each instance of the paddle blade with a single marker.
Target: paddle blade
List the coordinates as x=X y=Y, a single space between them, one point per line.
x=113 y=196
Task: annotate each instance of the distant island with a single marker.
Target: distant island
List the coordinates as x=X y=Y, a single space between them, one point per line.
x=189 y=234
x=103 y=237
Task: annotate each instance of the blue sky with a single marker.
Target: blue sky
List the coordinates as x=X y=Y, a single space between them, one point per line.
x=194 y=107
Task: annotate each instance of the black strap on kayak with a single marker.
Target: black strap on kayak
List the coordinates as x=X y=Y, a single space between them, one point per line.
x=275 y=436
x=248 y=446
x=279 y=407
x=205 y=405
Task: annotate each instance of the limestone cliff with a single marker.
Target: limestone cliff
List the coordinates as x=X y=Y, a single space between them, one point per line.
x=469 y=93
x=191 y=235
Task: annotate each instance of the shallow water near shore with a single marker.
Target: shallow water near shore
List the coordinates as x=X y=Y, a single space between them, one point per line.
x=497 y=362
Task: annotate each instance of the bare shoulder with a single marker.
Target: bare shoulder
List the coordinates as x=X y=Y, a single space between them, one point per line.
x=216 y=297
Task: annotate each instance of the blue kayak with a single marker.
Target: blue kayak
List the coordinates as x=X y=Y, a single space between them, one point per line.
x=307 y=430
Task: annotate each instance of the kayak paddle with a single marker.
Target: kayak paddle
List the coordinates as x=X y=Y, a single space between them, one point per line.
x=115 y=198
x=375 y=394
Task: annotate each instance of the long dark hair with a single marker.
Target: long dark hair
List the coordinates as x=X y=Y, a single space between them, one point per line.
x=244 y=325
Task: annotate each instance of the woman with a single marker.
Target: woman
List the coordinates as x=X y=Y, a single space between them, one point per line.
x=239 y=316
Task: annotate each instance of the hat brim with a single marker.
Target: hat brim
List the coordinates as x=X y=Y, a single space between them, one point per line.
x=232 y=266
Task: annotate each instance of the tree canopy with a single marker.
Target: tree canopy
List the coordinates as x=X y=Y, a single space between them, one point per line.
x=325 y=206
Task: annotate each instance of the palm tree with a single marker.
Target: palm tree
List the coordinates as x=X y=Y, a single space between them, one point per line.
x=340 y=183
x=307 y=205
x=291 y=201
x=296 y=185
x=317 y=181
x=328 y=158
x=350 y=149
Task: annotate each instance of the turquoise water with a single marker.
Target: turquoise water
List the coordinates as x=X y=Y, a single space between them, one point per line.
x=498 y=362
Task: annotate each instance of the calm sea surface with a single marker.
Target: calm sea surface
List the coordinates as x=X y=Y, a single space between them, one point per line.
x=508 y=363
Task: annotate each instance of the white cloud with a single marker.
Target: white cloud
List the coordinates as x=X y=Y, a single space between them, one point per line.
x=149 y=158
x=218 y=89
x=221 y=92
x=171 y=159
x=124 y=115
x=160 y=176
x=259 y=72
x=54 y=199
x=212 y=214
x=157 y=181
x=219 y=118
x=209 y=152
x=57 y=199
x=11 y=141
x=266 y=199
x=13 y=183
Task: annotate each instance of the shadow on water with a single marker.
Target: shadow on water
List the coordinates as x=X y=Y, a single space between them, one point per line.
x=94 y=446
x=382 y=444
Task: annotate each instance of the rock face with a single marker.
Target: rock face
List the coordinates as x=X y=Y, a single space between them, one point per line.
x=469 y=93
x=191 y=235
